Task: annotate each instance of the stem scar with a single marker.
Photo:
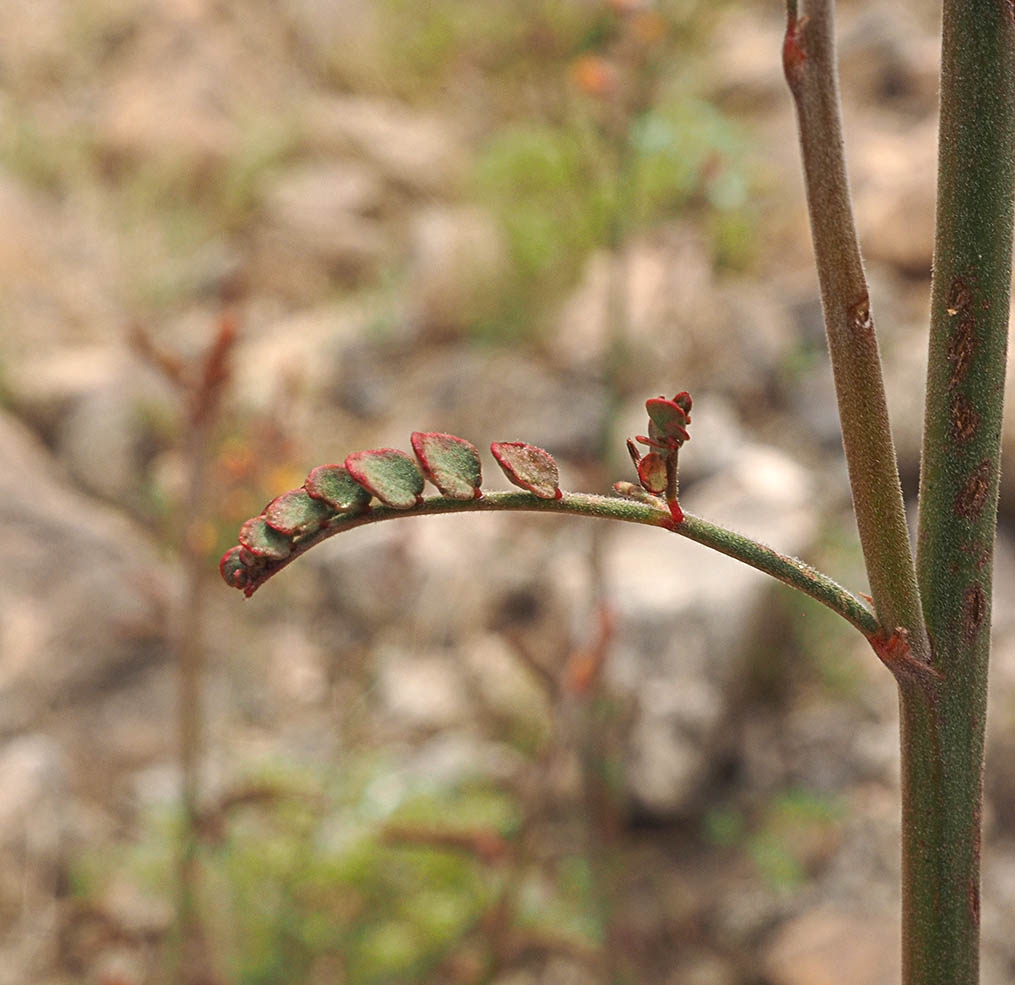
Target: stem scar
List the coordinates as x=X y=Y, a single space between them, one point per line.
x=965 y=420
x=793 y=54
x=972 y=497
x=961 y=348
x=974 y=608
x=860 y=315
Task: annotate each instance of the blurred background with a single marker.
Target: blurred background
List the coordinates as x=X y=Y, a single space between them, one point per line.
x=243 y=239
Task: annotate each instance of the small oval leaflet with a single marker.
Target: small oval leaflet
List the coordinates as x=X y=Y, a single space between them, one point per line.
x=652 y=473
x=668 y=419
x=334 y=485
x=529 y=467
x=232 y=568
x=451 y=463
x=389 y=474
x=296 y=512
x=264 y=542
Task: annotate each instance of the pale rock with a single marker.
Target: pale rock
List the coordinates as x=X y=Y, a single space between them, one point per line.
x=419 y=690
x=302 y=349
x=134 y=910
x=893 y=172
x=829 y=947
x=457 y=259
x=35 y=42
x=44 y=386
x=103 y=436
x=748 y=75
x=455 y=756
x=725 y=334
x=34 y=829
x=185 y=83
x=34 y=776
x=118 y=965
x=502 y=680
x=323 y=221
x=890 y=57
x=664 y=313
x=415 y=151
x=705 y=969
x=58 y=273
x=84 y=597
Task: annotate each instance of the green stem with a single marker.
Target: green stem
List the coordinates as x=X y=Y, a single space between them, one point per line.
x=788 y=570
x=809 y=63
x=943 y=734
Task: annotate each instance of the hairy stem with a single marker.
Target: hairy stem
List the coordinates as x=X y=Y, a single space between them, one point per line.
x=943 y=733
x=788 y=570
x=809 y=63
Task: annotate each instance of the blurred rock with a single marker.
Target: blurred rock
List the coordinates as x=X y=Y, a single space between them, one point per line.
x=417 y=152
x=58 y=269
x=894 y=195
x=104 y=411
x=828 y=947
x=420 y=690
x=482 y=395
x=889 y=57
x=685 y=616
x=34 y=775
x=457 y=261
x=323 y=223
x=748 y=72
x=184 y=78
x=133 y=910
x=705 y=969
x=83 y=600
x=34 y=822
x=302 y=351
x=118 y=965
x=730 y=336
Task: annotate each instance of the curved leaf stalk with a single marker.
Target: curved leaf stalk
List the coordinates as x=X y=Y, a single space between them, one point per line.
x=943 y=733
x=300 y=519
x=809 y=64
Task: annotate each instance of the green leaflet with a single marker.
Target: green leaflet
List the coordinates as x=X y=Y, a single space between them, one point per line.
x=529 y=467
x=296 y=512
x=264 y=542
x=452 y=464
x=333 y=485
x=389 y=474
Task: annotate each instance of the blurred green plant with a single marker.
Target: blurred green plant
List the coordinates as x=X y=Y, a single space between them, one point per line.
x=786 y=839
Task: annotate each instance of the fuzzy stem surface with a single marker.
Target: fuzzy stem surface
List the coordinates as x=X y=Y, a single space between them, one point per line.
x=789 y=570
x=810 y=67
x=943 y=731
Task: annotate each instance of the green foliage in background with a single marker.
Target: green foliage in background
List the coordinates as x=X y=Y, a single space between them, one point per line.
x=352 y=875
x=558 y=197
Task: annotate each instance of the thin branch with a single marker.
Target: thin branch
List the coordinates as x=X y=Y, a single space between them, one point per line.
x=788 y=570
x=809 y=64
